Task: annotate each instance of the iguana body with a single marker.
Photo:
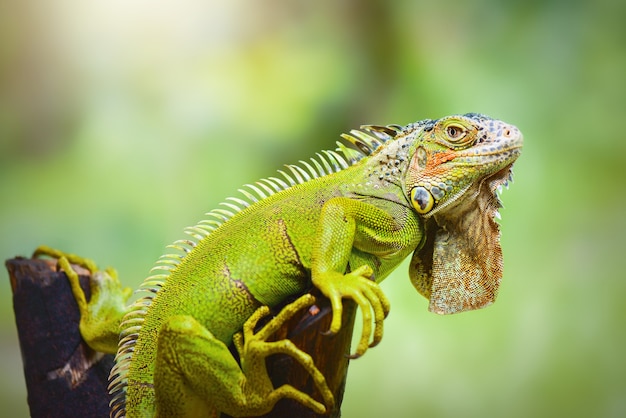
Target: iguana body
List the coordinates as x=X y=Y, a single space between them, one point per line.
x=340 y=223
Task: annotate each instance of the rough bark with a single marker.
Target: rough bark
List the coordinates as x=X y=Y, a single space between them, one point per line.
x=64 y=377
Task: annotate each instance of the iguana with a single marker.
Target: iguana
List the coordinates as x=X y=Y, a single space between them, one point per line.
x=340 y=222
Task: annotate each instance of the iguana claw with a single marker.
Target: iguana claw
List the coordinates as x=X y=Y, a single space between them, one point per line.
x=358 y=286
x=253 y=347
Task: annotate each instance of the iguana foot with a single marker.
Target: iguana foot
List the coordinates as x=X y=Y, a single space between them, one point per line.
x=44 y=250
x=253 y=349
x=196 y=374
x=101 y=315
x=358 y=286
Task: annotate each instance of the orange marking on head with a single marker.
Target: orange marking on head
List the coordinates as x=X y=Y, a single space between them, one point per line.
x=435 y=159
x=435 y=162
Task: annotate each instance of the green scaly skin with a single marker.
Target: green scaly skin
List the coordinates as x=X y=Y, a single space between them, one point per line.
x=428 y=188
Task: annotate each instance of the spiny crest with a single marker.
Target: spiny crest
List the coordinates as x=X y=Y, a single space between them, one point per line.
x=366 y=140
x=360 y=143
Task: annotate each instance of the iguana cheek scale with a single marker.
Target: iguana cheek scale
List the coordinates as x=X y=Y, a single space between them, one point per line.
x=340 y=222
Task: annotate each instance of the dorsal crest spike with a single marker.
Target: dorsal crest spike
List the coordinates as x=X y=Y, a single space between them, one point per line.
x=256 y=190
x=234 y=208
x=271 y=183
x=299 y=173
x=238 y=201
x=310 y=168
x=287 y=177
x=248 y=196
x=265 y=187
x=368 y=138
x=279 y=182
x=320 y=170
x=389 y=131
x=327 y=168
x=340 y=162
x=352 y=155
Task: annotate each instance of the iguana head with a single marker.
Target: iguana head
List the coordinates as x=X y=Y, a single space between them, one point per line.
x=457 y=167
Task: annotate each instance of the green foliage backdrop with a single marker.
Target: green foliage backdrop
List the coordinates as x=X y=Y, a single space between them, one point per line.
x=123 y=122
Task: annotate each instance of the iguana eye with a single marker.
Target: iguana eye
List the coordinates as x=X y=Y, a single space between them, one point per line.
x=455 y=132
x=422 y=200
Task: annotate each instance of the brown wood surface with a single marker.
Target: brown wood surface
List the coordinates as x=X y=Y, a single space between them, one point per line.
x=65 y=378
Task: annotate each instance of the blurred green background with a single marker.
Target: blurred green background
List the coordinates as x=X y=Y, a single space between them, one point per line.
x=121 y=122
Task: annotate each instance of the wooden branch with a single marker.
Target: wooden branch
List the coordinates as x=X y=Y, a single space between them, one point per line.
x=64 y=377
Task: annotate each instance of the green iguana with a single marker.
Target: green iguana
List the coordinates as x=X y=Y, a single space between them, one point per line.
x=341 y=222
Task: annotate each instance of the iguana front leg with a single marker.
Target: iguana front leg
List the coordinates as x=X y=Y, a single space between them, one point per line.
x=196 y=375
x=347 y=224
x=100 y=317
